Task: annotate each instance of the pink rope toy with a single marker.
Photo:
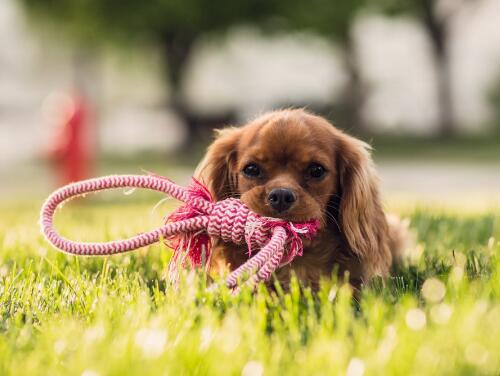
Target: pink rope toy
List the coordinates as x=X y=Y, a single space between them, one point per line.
x=189 y=228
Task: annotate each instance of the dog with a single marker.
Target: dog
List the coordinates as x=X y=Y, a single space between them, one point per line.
x=294 y=165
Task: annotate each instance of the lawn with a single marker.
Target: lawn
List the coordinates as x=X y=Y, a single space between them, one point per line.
x=439 y=314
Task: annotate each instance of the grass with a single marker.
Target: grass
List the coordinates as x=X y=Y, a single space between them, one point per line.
x=473 y=149
x=59 y=314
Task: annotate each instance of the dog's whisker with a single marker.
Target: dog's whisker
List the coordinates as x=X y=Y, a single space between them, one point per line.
x=328 y=215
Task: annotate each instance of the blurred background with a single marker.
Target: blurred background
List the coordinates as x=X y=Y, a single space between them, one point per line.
x=105 y=86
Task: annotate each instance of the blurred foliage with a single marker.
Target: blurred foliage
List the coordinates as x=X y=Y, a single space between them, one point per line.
x=436 y=22
x=157 y=19
x=332 y=19
x=173 y=25
x=494 y=98
x=176 y=25
x=162 y=19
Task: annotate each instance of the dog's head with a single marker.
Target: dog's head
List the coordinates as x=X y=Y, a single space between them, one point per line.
x=293 y=165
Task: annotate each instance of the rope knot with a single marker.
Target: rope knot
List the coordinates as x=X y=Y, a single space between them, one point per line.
x=228 y=220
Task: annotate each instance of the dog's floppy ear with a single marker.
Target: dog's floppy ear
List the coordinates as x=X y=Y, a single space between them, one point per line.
x=217 y=170
x=360 y=214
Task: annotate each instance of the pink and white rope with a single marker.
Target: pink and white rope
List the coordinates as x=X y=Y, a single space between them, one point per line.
x=230 y=219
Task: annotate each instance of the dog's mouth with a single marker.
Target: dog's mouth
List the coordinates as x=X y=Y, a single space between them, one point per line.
x=295 y=214
x=288 y=216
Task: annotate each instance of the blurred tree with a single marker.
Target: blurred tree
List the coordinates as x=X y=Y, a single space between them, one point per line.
x=175 y=25
x=333 y=20
x=436 y=17
x=493 y=94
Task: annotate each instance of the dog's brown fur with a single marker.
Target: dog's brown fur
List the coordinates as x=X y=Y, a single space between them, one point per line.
x=355 y=236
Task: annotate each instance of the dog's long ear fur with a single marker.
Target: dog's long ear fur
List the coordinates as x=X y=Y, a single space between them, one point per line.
x=361 y=218
x=217 y=170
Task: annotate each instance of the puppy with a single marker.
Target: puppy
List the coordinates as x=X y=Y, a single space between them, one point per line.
x=293 y=165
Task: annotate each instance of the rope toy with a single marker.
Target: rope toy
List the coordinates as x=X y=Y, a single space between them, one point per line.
x=189 y=228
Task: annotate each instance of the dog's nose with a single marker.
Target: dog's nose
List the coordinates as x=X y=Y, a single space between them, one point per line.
x=281 y=199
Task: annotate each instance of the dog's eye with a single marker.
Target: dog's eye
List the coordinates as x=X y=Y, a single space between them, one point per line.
x=252 y=170
x=316 y=171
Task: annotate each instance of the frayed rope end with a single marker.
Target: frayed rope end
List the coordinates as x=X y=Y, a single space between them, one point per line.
x=195 y=246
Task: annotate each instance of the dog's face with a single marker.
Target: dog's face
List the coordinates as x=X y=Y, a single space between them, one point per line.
x=285 y=168
x=296 y=166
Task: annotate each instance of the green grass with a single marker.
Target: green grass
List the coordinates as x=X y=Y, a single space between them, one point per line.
x=472 y=149
x=66 y=315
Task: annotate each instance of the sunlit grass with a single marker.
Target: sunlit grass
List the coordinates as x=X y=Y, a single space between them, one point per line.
x=439 y=314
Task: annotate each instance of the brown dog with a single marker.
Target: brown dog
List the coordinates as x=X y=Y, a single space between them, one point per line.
x=293 y=165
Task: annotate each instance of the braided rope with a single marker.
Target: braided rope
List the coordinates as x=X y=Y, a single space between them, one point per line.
x=229 y=219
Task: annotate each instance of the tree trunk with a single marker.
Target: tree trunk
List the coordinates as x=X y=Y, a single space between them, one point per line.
x=354 y=96
x=438 y=32
x=176 y=51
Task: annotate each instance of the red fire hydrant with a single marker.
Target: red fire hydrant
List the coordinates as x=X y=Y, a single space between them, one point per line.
x=71 y=149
